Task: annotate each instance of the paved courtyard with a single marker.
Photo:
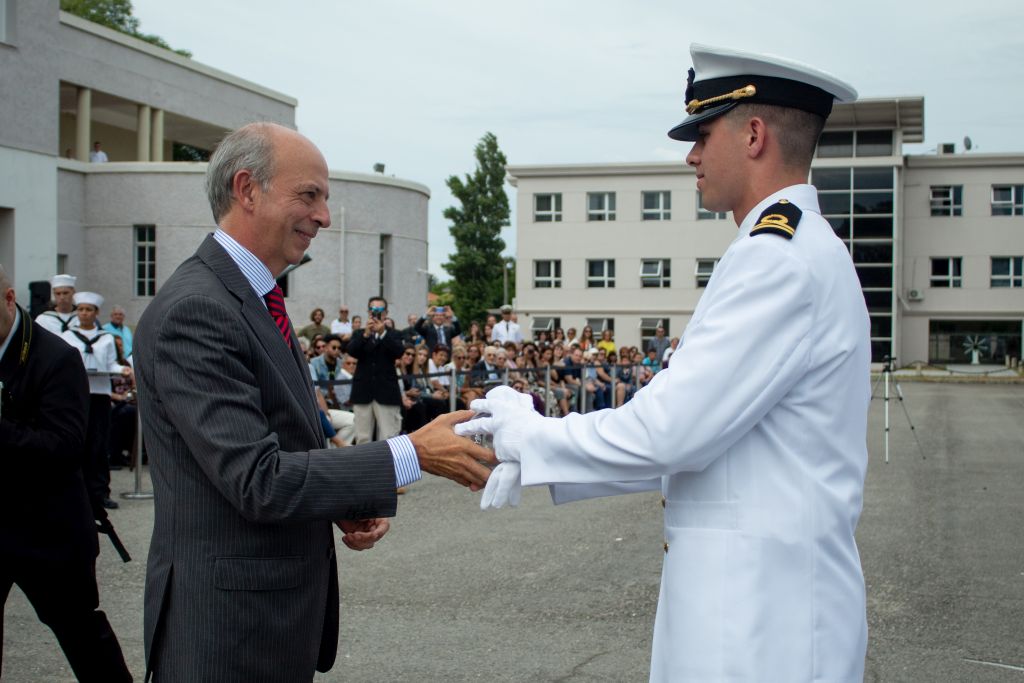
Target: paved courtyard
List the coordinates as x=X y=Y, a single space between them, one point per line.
x=568 y=594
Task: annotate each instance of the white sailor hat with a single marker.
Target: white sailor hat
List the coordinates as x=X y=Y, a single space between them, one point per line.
x=722 y=78
x=91 y=298
x=63 y=281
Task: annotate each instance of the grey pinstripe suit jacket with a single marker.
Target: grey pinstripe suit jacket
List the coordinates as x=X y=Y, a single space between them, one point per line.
x=242 y=582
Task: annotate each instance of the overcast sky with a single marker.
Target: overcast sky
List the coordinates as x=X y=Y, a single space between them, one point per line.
x=414 y=84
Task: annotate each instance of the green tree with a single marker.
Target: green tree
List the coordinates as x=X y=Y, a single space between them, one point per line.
x=116 y=15
x=477 y=264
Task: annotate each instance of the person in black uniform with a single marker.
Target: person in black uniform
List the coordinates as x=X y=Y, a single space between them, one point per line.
x=48 y=542
x=376 y=398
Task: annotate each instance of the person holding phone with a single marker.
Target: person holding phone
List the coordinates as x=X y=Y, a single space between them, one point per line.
x=376 y=398
x=441 y=328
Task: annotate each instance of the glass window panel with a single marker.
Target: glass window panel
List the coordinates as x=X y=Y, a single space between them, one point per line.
x=881 y=326
x=650 y=200
x=1000 y=266
x=880 y=349
x=841 y=226
x=834 y=203
x=874 y=143
x=831 y=178
x=875 y=276
x=835 y=144
x=878 y=302
x=543 y=202
x=872 y=202
x=940 y=267
x=872 y=178
x=872 y=227
x=543 y=268
x=610 y=268
x=595 y=268
x=872 y=252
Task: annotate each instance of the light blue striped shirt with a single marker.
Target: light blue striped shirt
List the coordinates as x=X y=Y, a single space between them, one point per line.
x=407 y=465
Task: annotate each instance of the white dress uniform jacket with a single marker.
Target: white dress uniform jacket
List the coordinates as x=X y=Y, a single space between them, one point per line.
x=757 y=432
x=506 y=331
x=101 y=361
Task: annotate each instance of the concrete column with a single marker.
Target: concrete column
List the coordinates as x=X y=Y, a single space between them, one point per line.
x=83 y=124
x=156 y=148
x=142 y=141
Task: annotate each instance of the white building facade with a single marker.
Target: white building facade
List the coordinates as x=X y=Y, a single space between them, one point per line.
x=937 y=240
x=123 y=227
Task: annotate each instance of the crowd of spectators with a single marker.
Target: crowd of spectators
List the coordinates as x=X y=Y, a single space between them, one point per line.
x=446 y=363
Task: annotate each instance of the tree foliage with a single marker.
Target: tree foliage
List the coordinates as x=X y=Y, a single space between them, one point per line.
x=477 y=264
x=116 y=15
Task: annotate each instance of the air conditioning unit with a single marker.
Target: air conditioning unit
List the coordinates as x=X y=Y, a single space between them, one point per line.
x=915 y=295
x=947 y=148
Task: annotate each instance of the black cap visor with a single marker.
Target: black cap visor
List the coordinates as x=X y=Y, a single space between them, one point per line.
x=687 y=130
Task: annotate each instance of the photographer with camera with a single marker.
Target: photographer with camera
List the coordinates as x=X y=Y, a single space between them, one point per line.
x=48 y=542
x=442 y=329
x=376 y=398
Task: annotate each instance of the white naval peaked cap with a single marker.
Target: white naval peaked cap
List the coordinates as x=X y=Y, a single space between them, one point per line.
x=91 y=298
x=63 y=280
x=722 y=78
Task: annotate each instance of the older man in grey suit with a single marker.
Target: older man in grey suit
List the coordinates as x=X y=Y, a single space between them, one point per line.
x=242 y=580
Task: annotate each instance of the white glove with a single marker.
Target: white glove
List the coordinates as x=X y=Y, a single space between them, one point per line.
x=506 y=414
x=510 y=416
x=504 y=486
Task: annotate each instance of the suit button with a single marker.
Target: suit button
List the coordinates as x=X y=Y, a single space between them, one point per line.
x=665 y=546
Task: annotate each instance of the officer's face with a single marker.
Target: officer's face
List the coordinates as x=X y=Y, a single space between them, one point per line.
x=87 y=315
x=62 y=297
x=715 y=157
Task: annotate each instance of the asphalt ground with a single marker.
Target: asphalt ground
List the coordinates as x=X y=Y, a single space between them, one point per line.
x=568 y=593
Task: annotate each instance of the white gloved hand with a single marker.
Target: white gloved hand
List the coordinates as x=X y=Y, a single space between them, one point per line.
x=506 y=415
x=504 y=487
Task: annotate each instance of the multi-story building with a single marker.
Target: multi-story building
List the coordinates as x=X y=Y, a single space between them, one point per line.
x=937 y=239
x=124 y=226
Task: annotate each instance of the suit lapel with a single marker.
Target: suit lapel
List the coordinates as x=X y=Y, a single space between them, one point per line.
x=287 y=361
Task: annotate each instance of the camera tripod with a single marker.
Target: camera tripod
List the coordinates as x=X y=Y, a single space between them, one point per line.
x=884 y=379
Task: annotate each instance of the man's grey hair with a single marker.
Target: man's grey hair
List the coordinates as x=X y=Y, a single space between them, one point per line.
x=117 y=309
x=248 y=148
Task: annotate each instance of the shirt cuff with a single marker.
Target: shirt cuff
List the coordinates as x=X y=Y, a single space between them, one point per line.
x=407 y=465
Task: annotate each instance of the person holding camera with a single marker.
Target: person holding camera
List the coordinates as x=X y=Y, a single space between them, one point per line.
x=376 y=398
x=442 y=328
x=48 y=543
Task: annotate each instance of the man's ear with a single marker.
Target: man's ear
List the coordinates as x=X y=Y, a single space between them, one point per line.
x=756 y=134
x=245 y=189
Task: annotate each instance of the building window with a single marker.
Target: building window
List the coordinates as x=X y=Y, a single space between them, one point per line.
x=599 y=325
x=600 y=206
x=62 y=263
x=145 y=260
x=947 y=200
x=655 y=272
x=861 y=143
x=946 y=272
x=953 y=341
x=1007 y=271
x=1007 y=200
x=544 y=324
x=704 y=215
x=547 y=208
x=601 y=273
x=384 y=266
x=648 y=327
x=547 y=274
x=705 y=266
x=657 y=205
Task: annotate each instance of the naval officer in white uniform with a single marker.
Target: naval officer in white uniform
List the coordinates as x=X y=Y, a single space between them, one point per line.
x=63 y=317
x=756 y=432
x=99 y=354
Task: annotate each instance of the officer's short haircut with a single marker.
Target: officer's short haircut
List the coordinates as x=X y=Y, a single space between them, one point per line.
x=797 y=130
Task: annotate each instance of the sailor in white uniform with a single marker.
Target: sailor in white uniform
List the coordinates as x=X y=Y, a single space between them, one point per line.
x=64 y=317
x=756 y=432
x=100 y=357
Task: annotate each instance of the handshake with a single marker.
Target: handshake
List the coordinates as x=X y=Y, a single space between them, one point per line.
x=504 y=414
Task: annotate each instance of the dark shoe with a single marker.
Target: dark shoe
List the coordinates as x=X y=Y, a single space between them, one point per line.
x=110 y=504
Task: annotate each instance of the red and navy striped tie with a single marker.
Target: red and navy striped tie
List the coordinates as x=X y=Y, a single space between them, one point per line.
x=275 y=304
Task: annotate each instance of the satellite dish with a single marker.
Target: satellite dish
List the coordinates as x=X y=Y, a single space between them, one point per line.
x=967 y=143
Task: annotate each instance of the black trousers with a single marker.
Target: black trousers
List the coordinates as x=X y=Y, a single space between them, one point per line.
x=96 y=467
x=123 y=421
x=65 y=597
